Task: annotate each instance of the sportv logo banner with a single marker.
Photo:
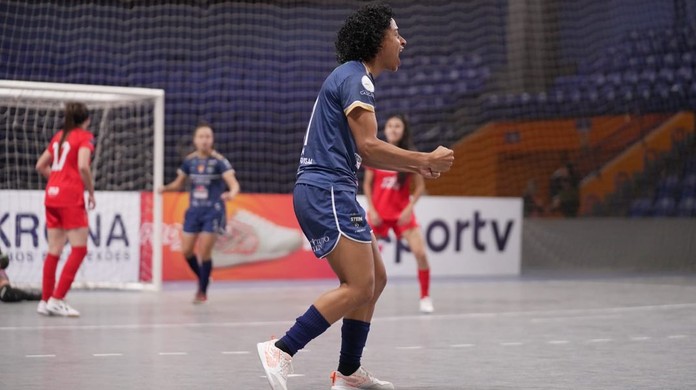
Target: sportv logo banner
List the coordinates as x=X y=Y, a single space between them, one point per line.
x=463 y=236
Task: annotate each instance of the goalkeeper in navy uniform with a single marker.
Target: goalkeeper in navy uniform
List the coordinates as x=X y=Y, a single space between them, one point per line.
x=342 y=134
x=213 y=182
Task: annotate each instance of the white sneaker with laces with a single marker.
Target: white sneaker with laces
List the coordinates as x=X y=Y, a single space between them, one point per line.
x=426 y=305
x=360 y=379
x=249 y=238
x=41 y=309
x=276 y=363
x=60 y=308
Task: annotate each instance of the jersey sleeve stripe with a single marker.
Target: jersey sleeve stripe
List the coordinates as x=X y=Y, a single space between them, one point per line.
x=360 y=104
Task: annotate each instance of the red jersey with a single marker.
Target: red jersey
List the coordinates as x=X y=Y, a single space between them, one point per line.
x=389 y=197
x=65 y=187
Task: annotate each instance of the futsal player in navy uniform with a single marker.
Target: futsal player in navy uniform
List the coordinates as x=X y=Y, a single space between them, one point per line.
x=212 y=182
x=342 y=134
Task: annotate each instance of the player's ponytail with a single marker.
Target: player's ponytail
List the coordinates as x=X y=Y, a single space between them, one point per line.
x=76 y=113
x=406 y=142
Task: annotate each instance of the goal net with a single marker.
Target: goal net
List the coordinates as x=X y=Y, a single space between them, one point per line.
x=127 y=124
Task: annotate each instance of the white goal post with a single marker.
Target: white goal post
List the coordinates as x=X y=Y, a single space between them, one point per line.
x=124 y=119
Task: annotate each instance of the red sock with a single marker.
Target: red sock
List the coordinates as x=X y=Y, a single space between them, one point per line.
x=49 y=276
x=77 y=254
x=424 y=279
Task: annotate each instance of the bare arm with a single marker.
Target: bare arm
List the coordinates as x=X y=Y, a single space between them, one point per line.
x=232 y=184
x=176 y=185
x=367 y=186
x=375 y=219
x=43 y=164
x=379 y=154
x=418 y=190
x=83 y=162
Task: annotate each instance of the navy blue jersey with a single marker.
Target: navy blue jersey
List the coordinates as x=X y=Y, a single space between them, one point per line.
x=329 y=156
x=205 y=174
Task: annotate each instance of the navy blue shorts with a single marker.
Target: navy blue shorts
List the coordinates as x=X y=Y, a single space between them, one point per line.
x=326 y=215
x=205 y=219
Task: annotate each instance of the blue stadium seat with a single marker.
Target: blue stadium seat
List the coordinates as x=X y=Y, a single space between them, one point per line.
x=665 y=207
x=687 y=207
x=641 y=207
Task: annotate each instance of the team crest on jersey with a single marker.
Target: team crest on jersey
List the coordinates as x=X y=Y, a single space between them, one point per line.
x=367 y=83
x=200 y=168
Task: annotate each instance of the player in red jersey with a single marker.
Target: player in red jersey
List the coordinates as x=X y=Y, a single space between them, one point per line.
x=66 y=165
x=390 y=204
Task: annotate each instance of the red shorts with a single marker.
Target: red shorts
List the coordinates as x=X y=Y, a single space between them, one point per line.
x=382 y=230
x=66 y=217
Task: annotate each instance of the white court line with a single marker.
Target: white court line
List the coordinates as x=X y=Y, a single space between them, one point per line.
x=572 y=318
x=432 y=317
x=173 y=353
x=304 y=350
x=410 y=347
x=640 y=338
x=677 y=336
x=558 y=342
x=512 y=344
x=599 y=340
x=462 y=345
x=289 y=376
x=40 y=356
x=107 y=354
x=235 y=352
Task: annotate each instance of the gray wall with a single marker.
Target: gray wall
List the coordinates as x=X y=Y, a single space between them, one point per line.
x=609 y=244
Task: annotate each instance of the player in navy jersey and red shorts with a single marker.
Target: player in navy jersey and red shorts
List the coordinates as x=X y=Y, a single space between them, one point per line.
x=390 y=204
x=342 y=134
x=66 y=165
x=213 y=182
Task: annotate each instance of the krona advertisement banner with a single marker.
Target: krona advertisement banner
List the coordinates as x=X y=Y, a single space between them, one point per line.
x=113 y=245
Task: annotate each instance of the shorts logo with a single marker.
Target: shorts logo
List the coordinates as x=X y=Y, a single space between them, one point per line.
x=357 y=220
x=318 y=243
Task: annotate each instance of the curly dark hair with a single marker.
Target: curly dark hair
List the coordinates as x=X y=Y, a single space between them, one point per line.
x=361 y=36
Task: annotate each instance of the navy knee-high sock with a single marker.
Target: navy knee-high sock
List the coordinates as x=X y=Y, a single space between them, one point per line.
x=204 y=277
x=307 y=327
x=193 y=264
x=353 y=339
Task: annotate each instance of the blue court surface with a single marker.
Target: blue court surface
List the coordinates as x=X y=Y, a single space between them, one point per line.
x=532 y=332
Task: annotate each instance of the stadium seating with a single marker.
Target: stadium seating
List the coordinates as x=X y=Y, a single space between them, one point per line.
x=648 y=71
x=253 y=69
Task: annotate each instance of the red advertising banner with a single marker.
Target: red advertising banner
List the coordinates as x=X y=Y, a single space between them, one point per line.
x=262 y=240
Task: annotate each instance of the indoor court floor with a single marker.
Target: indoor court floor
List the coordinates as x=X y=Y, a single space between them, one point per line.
x=532 y=332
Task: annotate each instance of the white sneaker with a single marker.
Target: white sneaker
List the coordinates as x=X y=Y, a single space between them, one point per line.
x=41 y=309
x=60 y=308
x=426 y=305
x=276 y=363
x=360 y=379
x=249 y=237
